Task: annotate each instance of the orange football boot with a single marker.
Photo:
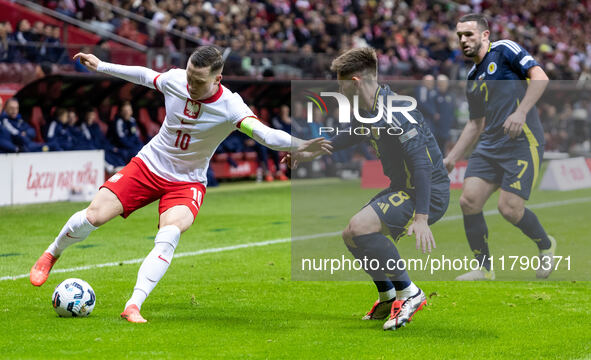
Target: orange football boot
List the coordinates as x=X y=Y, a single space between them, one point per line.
x=40 y=271
x=132 y=314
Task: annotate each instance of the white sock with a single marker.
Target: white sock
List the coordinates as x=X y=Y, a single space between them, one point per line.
x=155 y=264
x=407 y=292
x=387 y=295
x=76 y=229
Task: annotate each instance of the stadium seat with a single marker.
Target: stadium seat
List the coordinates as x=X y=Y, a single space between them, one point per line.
x=221 y=157
x=250 y=155
x=144 y=119
x=161 y=114
x=237 y=156
x=38 y=122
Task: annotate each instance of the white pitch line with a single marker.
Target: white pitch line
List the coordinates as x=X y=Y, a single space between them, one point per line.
x=184 y=254
x=278 y=241
x=531 y=206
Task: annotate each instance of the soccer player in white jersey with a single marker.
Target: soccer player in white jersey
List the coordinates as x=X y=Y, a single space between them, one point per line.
x=172 y=167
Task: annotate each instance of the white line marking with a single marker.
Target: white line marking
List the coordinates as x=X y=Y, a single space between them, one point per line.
x=531 y=206
x=276 y=241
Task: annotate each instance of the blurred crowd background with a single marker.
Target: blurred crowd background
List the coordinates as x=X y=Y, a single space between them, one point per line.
x=297 y=39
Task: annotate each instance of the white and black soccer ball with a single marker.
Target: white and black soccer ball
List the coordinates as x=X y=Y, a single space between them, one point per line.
x=73 y=298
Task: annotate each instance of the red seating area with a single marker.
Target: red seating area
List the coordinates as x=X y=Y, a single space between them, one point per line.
x=247 y=165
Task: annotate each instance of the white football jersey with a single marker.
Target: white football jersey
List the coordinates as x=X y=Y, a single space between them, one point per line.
x=191 y=130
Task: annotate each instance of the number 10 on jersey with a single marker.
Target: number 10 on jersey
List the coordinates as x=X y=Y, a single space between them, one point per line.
x=182 y=140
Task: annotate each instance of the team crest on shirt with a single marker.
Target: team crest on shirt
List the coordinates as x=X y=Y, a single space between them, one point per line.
x=492 y=67
x=192 y=108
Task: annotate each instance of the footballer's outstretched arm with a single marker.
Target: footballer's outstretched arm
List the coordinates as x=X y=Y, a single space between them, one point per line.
x=466 y=140
x=136 y=74
x=280 y=140
x=338 y=142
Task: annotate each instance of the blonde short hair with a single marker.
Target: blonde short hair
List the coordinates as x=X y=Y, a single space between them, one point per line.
x=356 y=61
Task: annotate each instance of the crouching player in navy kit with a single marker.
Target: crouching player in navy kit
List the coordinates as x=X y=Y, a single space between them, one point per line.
x=511 y=142
x=417 y=197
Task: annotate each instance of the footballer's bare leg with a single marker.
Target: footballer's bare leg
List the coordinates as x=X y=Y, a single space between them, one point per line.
x=512 y=207
x=179 y=216
x=475 y=193
x=103 y=208
x=173 y=222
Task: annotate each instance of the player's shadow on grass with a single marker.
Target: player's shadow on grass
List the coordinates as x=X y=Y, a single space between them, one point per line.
x=256 y=318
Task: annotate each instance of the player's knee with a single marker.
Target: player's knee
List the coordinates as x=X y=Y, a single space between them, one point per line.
x=360 y=226
x=103 y=208
x=182 y=222
x=510 y=211
x=93 y=215
x=469 y=204
x=349 y=233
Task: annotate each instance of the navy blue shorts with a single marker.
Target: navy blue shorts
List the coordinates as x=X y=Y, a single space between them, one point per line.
x=516 y=173
x=396 y=208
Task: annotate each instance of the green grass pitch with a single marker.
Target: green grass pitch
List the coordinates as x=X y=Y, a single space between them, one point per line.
x=243 y=303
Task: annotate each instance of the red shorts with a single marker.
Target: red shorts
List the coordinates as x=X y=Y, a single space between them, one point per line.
x=136 y=186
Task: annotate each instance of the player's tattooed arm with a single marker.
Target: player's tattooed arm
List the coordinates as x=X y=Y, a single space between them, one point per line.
x=538 y=81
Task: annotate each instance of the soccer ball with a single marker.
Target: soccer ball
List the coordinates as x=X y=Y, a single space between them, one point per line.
x=73 y=298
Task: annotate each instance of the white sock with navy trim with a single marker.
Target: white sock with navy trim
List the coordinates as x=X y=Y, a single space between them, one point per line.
x=407 y=292
x=387 y=295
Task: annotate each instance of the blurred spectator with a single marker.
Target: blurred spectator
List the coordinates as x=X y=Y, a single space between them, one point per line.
x=124 y=132
x=425 y=94
x=282 y=121
x=58 y=136
x=19 y=38
x=79 y=141
x=299 y=125
x=4 y=45
x=6 y=143
x=445 y=109
x=95 y=139
x=37 y=32
x=78 y=65
x=51 y=49
x=23 y=134
x=102 y=50
x=66 y=7
x=413 y=38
